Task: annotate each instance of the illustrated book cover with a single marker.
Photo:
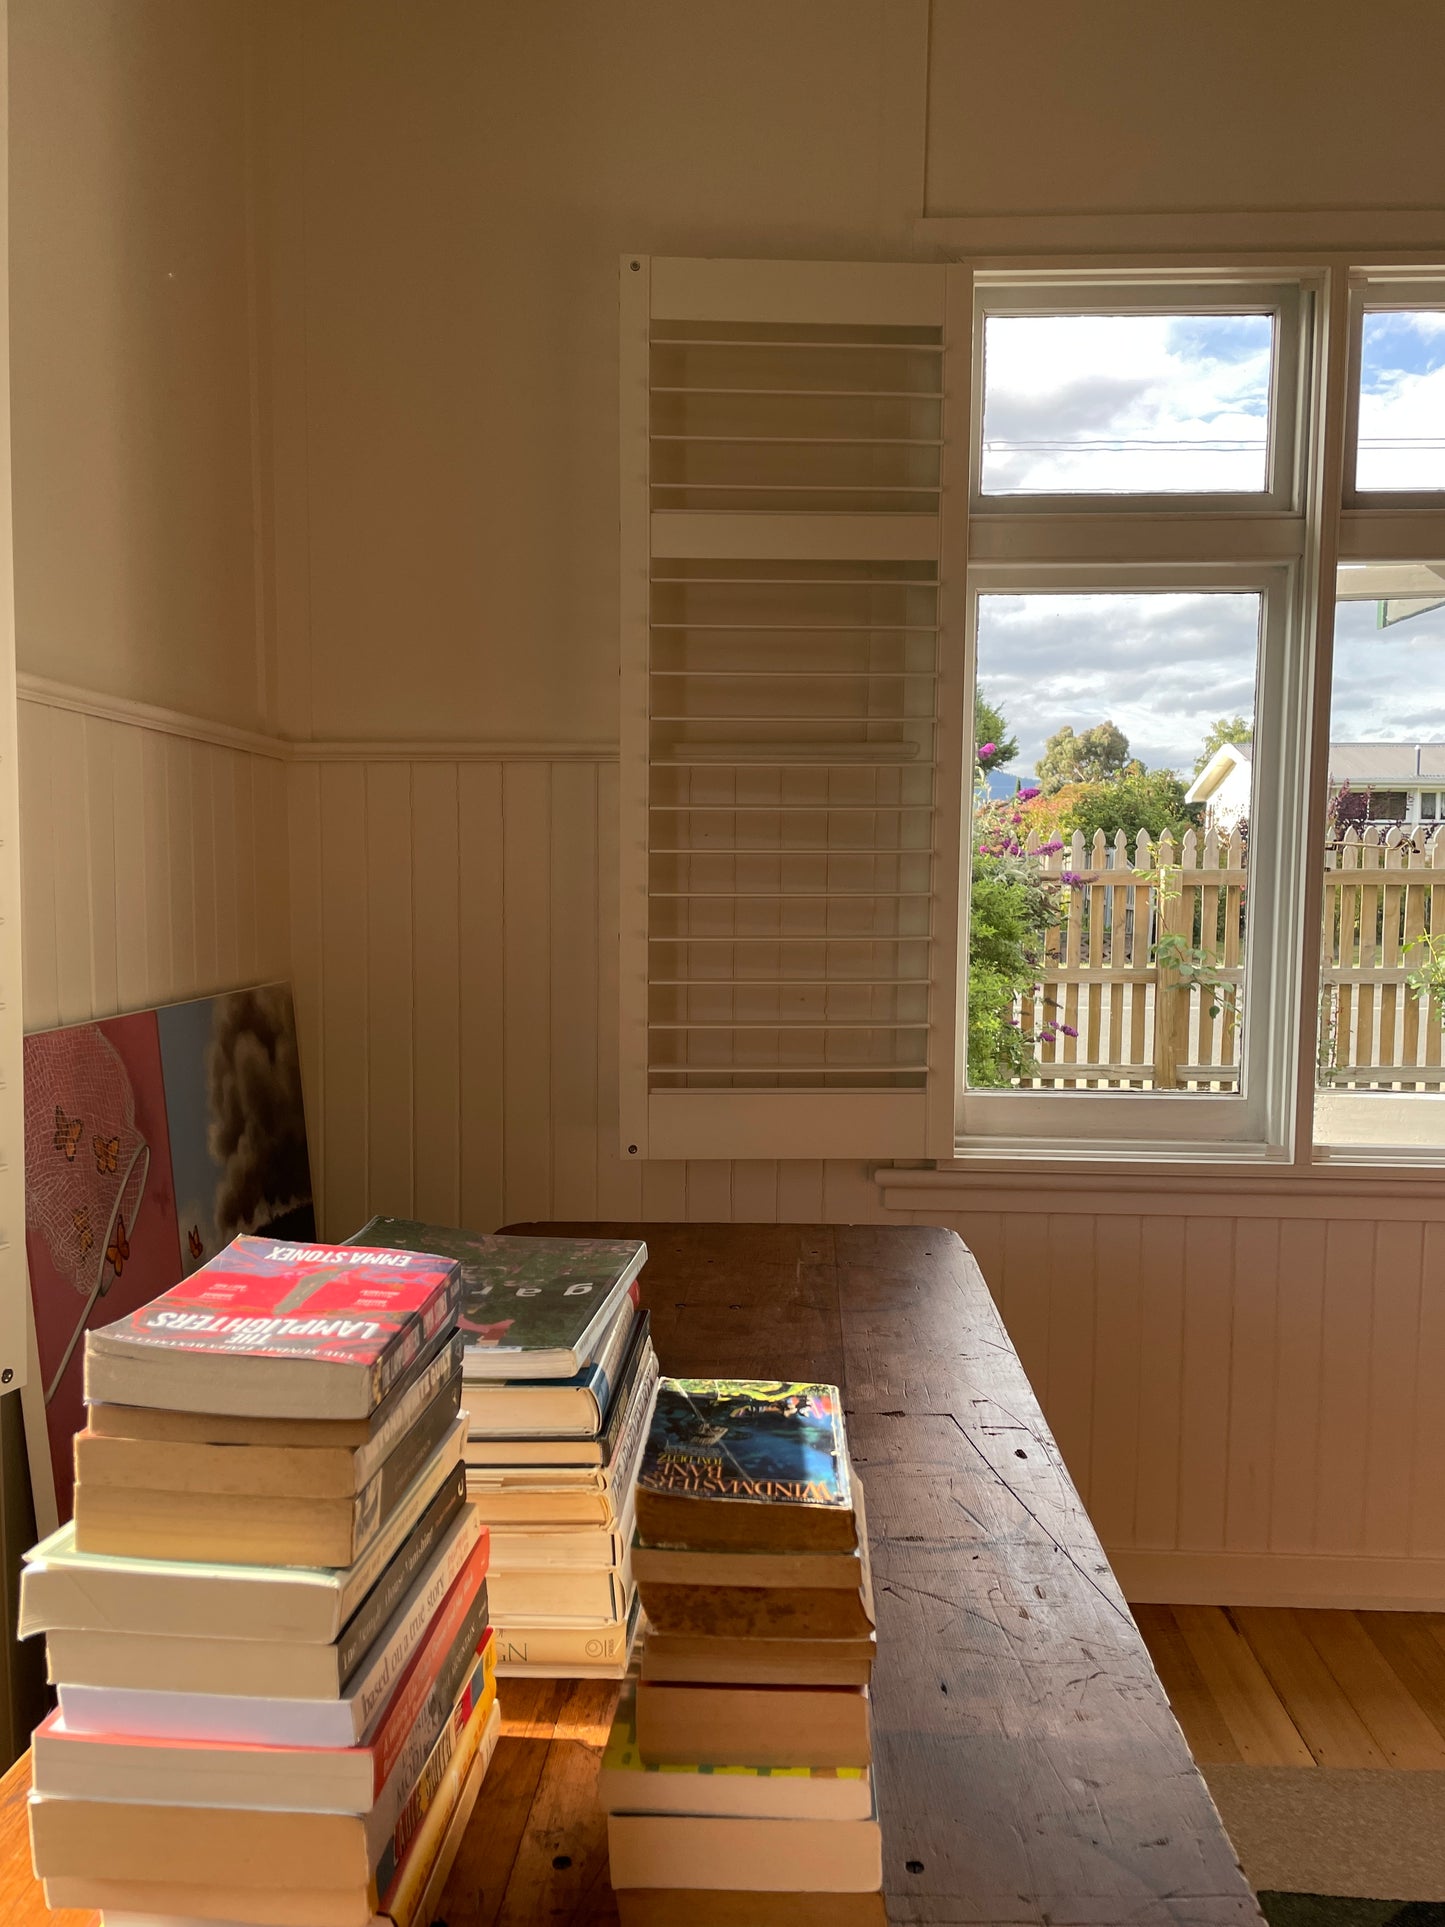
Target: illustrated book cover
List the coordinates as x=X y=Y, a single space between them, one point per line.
x=738 y=1463
x=531 y=1307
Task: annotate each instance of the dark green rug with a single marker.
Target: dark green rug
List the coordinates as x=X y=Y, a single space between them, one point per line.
x=1327 y=1910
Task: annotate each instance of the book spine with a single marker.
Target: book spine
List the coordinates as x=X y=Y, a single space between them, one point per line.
x=471 y=1649
x=458 y=1611
x=379 y=1498
x=439 y=1311
x=402 y=1904
x=638 y=1348
x=434 y=1506
x=423 y=1784
x=385 y=1665
x=560 y=1646
x=412 y=1401
x=634 y=1433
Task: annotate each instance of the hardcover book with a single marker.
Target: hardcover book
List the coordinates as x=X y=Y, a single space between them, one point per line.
x=278 y=1330
x=531 y=1307
x=746 y=1465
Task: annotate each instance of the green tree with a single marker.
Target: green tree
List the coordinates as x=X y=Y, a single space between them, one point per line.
x=1224 y=729
x=1152 y=801
x=993 y=746
x=1091 y=757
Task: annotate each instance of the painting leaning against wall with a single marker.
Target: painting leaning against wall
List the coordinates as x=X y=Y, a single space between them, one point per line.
x=151 y=1141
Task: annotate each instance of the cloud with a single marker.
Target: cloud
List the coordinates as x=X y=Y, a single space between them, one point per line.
x=1162 y=666
x=1125 y=403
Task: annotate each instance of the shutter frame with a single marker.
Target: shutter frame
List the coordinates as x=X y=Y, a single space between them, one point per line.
x=792 y=705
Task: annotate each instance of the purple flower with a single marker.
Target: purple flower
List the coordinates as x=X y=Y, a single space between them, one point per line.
x=1027 y=796
x=1070 y=876
x=988 y=749
x=1048 y=849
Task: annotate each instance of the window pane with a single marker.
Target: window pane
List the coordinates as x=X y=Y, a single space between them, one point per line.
x=1402 y=401
x=1110 y=840
x=1126 y=404
x=1380 y=1079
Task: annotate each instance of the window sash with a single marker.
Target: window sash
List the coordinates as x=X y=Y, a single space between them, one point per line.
x=1289 y=303
x=1382 y=292
x=1257 y=1120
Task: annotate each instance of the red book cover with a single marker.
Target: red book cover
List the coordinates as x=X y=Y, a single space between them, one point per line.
x=400 y=1715
x=340 y=1305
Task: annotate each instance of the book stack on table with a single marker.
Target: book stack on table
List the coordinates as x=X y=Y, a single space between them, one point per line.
x=268 y=1620
x=738 y=1776
x=558 y=1379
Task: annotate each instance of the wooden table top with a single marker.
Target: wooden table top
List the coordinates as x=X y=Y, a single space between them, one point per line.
x=1029 y=1769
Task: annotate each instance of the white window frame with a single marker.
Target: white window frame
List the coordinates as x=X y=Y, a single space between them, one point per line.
x=1383 y=291
x=1259 y=542
x=1158 y=295
x=1256 y=1120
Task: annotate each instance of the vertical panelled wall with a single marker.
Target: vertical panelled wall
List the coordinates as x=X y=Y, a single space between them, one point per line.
x=455 y=952
x=153 y=860
x=1243 y=1390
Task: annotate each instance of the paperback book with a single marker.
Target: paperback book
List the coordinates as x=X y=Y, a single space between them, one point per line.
x=531 y=1307
x=746 y=1465
x=278 y=1330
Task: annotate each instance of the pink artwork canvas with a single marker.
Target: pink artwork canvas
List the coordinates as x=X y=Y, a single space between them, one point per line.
x=100 y=1215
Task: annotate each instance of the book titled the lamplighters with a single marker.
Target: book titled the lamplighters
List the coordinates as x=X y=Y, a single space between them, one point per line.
x=735 y=1465
x=271 y=1330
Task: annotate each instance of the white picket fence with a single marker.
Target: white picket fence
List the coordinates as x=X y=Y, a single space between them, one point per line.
x=1110 y=1011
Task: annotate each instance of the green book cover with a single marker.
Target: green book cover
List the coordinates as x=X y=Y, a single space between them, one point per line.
x=524 y=1296
x=753 y=1439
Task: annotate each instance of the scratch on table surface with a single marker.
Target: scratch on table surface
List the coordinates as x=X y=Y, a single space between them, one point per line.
x=1021 y=1501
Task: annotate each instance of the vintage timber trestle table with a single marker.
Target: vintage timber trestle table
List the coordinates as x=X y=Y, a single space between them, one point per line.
x=1029 y=1769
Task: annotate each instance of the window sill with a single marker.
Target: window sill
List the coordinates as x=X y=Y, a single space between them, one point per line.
x=1352 y=1185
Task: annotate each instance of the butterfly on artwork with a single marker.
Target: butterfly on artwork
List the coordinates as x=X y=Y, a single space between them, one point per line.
x=118 y=1250
x=67 y=1134
x=107 y=1152
x=85 y=1237
x=194 y=1240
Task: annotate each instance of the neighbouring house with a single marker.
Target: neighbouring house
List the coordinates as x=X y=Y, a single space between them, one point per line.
x=1222 y=786
x=1405 y=781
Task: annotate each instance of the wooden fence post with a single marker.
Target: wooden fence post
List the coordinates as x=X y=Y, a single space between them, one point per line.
x=1171 y=998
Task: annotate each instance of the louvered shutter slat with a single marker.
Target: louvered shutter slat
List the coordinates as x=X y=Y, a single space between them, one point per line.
x=790 y=742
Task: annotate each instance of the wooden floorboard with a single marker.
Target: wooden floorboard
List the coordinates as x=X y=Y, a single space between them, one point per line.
x=1281 y=1687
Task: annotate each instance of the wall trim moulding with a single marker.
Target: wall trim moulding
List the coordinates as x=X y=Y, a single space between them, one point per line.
x=166 y=722
x=423 y=752
x=1352 y=1581
x=201 y=729
x=1359 y=1192
x=1370 y=234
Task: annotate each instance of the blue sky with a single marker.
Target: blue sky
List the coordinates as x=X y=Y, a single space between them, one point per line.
x=1109 y=402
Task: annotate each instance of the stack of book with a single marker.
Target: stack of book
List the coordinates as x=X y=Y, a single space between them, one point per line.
x=558 y=1379
x=738 y=1778
x=268 y=1621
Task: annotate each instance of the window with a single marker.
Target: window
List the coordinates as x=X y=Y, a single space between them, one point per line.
x=1400 y=398
x=1033 y=724
x=1125 y=908
x=1380 y=1066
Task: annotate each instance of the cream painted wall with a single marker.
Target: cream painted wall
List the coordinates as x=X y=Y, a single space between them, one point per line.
x=1129 y=105
x=130 y=350
x=467 y=176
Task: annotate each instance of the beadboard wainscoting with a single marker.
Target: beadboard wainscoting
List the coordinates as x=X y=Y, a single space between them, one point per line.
x=153 y=856
x=1243 y=1383
x=455 y=956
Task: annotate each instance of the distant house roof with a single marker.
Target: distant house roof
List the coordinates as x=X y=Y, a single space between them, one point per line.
x=1365 y=764
x=1228 y=758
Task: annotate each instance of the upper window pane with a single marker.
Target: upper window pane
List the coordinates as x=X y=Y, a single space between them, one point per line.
x=1402 y=400
x=1120 y=404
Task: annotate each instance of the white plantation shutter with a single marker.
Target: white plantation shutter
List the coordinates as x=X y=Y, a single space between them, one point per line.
x=793 y=445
